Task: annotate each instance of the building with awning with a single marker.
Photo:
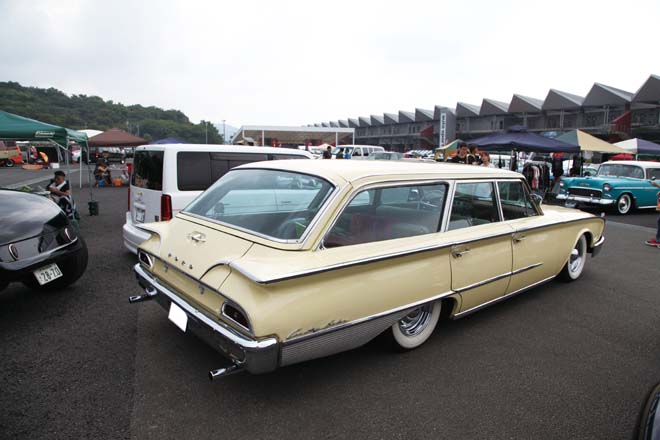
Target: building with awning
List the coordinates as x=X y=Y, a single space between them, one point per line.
x=284 y=136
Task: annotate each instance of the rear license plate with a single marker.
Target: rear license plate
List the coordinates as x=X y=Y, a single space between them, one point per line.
x=47 y=274
x=178 y=316
x=139 y=215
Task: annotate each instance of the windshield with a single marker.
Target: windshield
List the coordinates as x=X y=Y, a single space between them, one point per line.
x=619 y=170
x=277 y=204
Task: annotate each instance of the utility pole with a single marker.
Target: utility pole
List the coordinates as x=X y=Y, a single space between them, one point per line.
x=224 y=132
x=206 y=130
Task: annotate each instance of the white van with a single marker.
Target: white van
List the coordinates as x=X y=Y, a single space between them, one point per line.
x=167 y=177
x=357 y=151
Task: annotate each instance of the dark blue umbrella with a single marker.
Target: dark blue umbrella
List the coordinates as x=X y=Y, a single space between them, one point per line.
x=170 y=140
x=517 y=138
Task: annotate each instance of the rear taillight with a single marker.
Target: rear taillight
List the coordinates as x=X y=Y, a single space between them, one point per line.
x=165 y=207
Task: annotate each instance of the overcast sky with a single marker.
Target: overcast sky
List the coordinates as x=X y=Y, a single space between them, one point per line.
x=295 y=62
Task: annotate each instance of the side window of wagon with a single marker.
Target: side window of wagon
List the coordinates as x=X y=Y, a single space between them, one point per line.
x=474 y=204
x=379 y=214
x=516 y=202
x=654 y=173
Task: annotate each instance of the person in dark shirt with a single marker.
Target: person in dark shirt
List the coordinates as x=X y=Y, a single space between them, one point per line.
x=462 y=155
x=340 y=154
x=60 y=193
x=327 y=154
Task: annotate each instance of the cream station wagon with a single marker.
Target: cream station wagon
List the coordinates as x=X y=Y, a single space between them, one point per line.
x=281 y=262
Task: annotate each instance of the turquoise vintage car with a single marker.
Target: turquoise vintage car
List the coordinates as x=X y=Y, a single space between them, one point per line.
x=621 y=185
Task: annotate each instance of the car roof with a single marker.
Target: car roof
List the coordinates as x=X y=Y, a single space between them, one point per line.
x=223 y=149
x=639 y=163
x=351 y=170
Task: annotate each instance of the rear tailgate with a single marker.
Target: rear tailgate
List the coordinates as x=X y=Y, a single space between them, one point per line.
x=146 y=186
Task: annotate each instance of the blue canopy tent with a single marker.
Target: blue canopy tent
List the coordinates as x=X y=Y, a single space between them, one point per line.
x=518 y=139
x=169 y=140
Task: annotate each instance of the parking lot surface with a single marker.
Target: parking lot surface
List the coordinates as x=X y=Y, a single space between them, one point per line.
x=562 y=361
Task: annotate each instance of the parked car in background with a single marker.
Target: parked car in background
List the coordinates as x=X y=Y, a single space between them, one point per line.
x=386 y=155
x=621 y=185
x=166 y=178
x=356 y=151
x=109 y=154
x=272 y=273
x=38 y=245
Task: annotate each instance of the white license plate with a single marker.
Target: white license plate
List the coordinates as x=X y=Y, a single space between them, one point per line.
x=47 y=274
x=178 y=316
x=139 y=215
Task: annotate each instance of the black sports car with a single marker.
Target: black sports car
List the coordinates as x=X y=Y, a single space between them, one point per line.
x=38 y=244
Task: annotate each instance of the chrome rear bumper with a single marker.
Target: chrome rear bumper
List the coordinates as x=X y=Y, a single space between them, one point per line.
x=254 y=355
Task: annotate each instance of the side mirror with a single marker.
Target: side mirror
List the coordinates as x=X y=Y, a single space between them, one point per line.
x=537 y=199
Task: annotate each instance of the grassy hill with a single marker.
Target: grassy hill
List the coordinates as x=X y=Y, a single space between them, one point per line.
x=81 y=111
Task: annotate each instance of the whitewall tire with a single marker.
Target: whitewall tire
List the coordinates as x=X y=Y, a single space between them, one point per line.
x=415 y=328
x=577 y=260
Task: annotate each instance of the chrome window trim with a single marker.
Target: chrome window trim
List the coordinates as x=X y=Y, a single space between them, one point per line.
x=380 y=185
x=490 y=180
x=288 y=276
x=528 y=194
x=328 y=201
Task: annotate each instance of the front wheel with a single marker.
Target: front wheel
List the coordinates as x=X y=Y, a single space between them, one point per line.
x=624 y=204
x=416 y=327
x=576 y=261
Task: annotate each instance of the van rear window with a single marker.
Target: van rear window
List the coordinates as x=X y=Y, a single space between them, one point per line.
x=197 y=170
x=148 y=170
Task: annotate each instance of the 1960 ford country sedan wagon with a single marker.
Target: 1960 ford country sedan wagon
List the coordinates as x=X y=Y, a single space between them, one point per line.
x=279 y=263
x=623 y=185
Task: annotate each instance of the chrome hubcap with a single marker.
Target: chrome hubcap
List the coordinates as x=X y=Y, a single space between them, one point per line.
x=416 y=321
x=577 y=255
x=624 y=204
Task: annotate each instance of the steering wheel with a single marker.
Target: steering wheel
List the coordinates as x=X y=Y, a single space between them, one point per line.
x=287 y=230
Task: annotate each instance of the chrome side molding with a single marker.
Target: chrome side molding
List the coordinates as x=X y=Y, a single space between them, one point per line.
x=149 y=293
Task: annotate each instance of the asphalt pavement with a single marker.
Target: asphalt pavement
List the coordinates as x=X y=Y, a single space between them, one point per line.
x=563 y=361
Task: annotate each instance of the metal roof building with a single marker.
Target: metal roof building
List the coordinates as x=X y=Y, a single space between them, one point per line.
x=605 y=111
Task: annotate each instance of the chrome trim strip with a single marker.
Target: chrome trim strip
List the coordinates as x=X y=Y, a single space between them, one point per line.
x=497 y=278
x=368 y=318
x=288 y=276
x=483 y=283
x=501 y=298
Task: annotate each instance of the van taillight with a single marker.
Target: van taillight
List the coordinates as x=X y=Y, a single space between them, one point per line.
x=165 y=207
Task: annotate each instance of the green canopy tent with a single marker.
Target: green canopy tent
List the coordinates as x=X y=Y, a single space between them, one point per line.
x=19 y=128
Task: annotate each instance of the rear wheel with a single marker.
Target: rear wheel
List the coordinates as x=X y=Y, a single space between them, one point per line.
x=576 y=261
x=9 y=163
x=416 y=327
x=624 y=204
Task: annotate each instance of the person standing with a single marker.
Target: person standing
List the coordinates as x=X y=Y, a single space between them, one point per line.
x=60 y=193
x=462 y=155
x=485 y=160
x=327 y=154
x=656 y=240
x=340 y=154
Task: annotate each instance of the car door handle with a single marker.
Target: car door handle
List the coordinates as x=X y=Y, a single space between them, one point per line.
x=518 y=238
x=458 y=253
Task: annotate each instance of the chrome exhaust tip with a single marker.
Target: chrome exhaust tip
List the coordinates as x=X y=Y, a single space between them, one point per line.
x=149 y=293
x=226 y=371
